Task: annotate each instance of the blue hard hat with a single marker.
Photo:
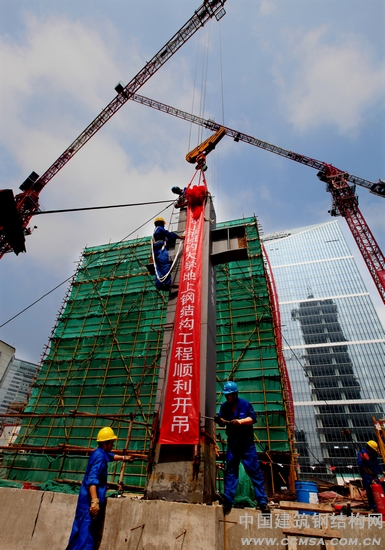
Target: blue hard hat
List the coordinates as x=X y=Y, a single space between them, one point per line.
x=229 y=387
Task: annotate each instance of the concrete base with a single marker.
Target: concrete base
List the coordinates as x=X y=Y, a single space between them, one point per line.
x=34 y=520
x=176 y=479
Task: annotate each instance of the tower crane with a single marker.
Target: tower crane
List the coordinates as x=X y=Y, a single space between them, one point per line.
x=339 y=184
x=17 y=211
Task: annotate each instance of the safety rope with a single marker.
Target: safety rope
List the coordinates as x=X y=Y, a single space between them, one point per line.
x=162 y=279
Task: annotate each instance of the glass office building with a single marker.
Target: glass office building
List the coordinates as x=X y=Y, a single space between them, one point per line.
x=334 y=346
x=15 y=387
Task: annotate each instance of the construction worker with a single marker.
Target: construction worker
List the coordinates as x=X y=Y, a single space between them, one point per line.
x=370 y=469
x=162 y=240
x=90 y=510
x=182 y=196
x=238 y=416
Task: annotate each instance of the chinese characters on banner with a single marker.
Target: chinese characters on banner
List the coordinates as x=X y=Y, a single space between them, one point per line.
x=180 y=418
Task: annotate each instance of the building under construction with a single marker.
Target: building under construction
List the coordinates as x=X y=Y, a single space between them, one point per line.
x=103 y=364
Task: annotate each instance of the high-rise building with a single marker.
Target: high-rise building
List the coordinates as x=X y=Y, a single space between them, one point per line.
x=15 y=386
x=334 y=345
x=16 y=377
x=7 y=354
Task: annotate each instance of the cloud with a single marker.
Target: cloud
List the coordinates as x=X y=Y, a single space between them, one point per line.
x=56 y=79
x=328 y=83
x=267 y=7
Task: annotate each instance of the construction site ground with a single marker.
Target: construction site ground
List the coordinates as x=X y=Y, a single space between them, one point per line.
x=40 y=520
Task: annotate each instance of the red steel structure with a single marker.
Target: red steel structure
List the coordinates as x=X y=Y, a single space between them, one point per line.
x=27 y=202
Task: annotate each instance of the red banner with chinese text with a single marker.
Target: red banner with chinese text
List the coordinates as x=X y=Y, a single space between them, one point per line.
x=180 y=418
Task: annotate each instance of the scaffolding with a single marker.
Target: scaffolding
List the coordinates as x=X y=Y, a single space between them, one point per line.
x=248 y=352
x=101 y=367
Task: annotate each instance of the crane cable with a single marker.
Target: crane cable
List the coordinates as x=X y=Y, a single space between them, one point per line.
x=201 y=60
x=69 y=278
x=100 y=207
x=221 y=74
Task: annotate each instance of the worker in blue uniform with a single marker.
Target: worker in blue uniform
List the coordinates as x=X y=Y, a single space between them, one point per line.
x=370 y=469
x=90 y=510
x=162 y=240
x=239 y=416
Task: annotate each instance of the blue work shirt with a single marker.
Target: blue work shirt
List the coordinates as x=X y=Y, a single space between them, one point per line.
x=96 y=474
x=167 y=237
x=242 y=433
x=368 y=465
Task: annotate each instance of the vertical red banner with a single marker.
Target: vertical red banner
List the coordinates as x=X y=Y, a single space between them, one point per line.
x=180 y=417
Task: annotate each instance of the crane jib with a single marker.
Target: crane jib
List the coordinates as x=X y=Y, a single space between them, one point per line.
x=345 y=202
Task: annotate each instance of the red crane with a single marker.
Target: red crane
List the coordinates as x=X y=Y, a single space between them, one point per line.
x=345 y=201
x=16 y=212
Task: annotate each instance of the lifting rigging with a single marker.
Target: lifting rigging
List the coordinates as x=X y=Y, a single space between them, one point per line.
x=27 y=202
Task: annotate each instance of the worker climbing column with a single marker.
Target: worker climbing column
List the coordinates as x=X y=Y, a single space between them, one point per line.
x=184 y=450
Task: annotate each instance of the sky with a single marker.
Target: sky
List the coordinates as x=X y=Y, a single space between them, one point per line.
x=305 y=75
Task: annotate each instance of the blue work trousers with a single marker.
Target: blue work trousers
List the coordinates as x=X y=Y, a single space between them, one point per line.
x=246 y=452
x=86 y=531
x=163 y=266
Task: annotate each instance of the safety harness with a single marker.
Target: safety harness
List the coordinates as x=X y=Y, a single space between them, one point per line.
x=162 y=279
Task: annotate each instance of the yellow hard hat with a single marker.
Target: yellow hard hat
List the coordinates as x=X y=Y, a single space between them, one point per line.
x=373 y=445
x=106 y=434
x=159 y=220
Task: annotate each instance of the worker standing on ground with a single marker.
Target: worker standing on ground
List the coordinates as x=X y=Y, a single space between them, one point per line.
x=162 y=240
x=87 y=527
x=239 y=416
x=370 y=469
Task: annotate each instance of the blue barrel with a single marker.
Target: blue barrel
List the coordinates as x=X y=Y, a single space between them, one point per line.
x=306 y=491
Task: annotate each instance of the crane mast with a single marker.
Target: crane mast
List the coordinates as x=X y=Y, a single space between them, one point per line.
x=27 y=202
x=345 y=202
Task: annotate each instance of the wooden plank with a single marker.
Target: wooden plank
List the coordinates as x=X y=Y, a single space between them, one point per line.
x=289 y=505
x=309 y=532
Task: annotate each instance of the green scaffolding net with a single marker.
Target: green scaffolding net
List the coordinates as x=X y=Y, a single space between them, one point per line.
x=101 y=366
